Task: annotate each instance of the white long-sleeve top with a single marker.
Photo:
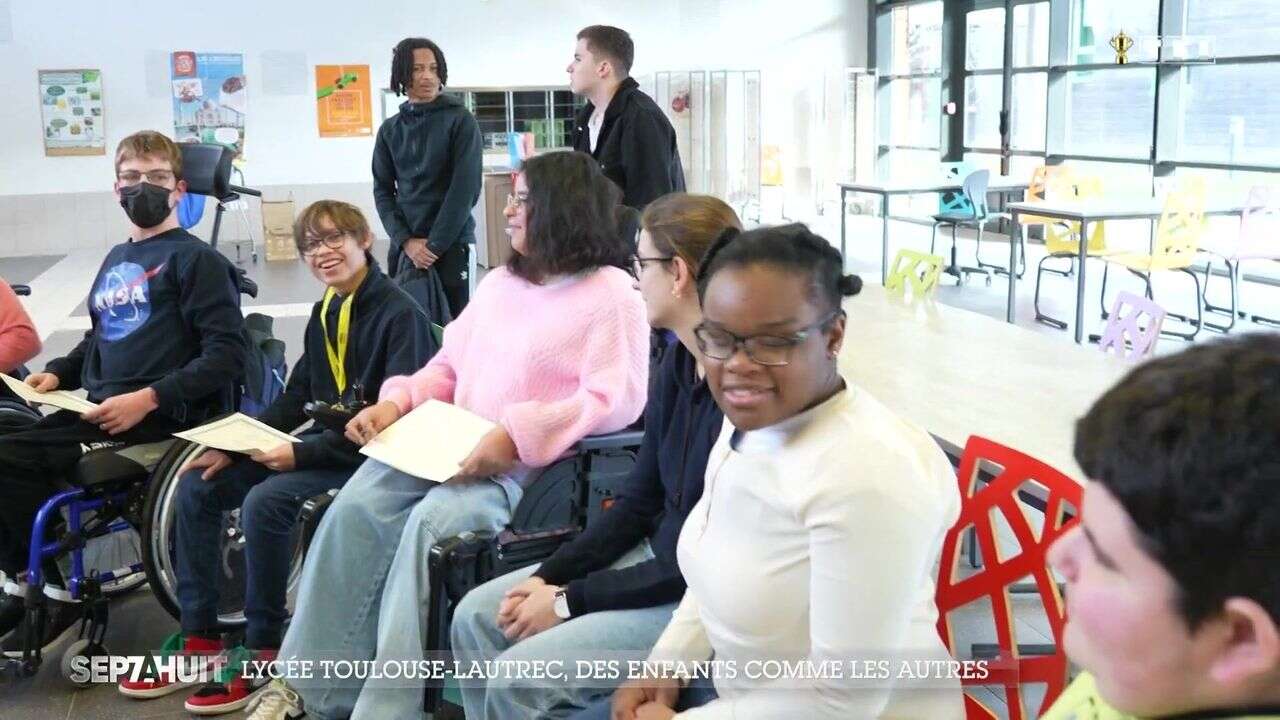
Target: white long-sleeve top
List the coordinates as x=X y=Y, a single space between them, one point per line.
x=816 y=539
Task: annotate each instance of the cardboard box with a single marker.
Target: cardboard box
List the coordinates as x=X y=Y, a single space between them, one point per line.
x=277 y=230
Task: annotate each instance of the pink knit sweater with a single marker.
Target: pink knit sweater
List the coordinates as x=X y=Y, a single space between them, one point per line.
x=552 y=363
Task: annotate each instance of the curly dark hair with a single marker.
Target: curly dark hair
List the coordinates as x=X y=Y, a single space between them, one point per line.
x=789 y=247
x=402 y=63
x=1189 y=445
x=571 y=225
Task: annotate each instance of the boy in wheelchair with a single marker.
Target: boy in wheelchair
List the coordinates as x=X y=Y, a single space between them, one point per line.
x=1173 y=594
x=166 y=344
x=364 y=330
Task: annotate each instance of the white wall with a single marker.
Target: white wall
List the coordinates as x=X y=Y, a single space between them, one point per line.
x=487 y=42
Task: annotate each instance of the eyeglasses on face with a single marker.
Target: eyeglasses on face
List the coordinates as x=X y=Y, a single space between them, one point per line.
x=769 y=350
x=155 y=177
x=517 y=200
x=310 y=244
x=637 y=262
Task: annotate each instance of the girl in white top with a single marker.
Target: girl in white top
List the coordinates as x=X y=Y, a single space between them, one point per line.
x=822 y=518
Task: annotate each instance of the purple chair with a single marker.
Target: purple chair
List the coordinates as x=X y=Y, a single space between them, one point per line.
x=1126 y=335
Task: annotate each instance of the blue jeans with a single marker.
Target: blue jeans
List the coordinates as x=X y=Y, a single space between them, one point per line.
x=365 y=585
x=697 y=693
x=594 y=636
x=269 y=505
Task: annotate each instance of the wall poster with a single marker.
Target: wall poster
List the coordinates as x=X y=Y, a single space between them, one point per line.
x=209 y=100
x=71 y=112
x=344 y=101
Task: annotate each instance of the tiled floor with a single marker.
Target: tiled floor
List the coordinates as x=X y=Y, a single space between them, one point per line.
x=287 y=290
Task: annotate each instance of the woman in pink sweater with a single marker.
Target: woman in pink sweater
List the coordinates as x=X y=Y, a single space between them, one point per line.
x=552 y=347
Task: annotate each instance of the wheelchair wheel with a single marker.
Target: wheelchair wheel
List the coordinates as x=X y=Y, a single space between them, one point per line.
x=114 y=551
x=159 y=555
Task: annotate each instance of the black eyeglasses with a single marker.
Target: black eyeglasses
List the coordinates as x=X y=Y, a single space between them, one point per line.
x=637 y=262
x=769 y=350
x=310 y=244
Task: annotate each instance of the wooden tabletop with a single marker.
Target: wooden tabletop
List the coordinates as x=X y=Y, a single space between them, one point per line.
x=957 y=373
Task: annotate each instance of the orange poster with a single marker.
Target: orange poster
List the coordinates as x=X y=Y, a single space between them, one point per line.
x=344 y=103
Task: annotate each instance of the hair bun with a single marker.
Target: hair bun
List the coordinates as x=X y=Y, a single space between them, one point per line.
x=850 y=285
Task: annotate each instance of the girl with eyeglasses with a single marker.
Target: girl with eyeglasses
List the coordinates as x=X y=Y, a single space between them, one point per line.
x=612 y=588
x=822 y=516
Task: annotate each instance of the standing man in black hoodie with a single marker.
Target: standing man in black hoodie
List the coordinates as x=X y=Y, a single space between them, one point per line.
x=164 y=353
x=427 y=171
x=621 y=127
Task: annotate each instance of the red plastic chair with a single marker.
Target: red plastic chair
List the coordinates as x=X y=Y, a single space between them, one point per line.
x=1059 y=497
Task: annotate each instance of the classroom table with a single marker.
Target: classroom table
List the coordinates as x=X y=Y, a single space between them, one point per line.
x=1096 y=210
x=956 y=373
x=1002 y=184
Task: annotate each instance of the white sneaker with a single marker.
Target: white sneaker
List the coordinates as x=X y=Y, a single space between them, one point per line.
x=276 y=701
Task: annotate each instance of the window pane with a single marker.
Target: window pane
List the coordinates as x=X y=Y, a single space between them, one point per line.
x=1118 y=179
x=916 y=111
x=984 y=47
x=1231 y=114
x=917 y=38
x=1236 y=27
x=1030 y=92
x=1020 y=166
x=1095 y=22
x=1109 y=112
x=982 y=101
x=1031 y=35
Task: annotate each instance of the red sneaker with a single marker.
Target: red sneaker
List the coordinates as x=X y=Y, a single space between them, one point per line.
x=146 y=688
x=236 y=684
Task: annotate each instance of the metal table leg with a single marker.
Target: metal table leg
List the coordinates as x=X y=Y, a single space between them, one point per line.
x=1084 y=254
x=884 y=237
x=1013 y=266
x=843 y=258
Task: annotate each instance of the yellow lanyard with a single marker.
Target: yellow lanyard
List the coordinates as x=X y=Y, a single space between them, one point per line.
x=337 y=356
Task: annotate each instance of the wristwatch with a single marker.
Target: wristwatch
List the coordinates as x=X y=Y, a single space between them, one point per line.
x=561 y=605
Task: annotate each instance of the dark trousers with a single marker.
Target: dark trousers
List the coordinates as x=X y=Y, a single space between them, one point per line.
x=269 y=505
x=454 y=268
x=33 y=459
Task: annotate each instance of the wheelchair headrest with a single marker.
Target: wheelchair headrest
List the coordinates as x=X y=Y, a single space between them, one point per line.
x=207 y=168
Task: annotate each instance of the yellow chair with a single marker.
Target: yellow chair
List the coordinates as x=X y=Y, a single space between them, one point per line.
x=1176 y=246
x=1062 y=239
x=915 y=270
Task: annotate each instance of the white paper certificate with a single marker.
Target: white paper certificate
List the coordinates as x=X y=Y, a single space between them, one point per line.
x=57 y=398
x=238 y=433
x=430 y=441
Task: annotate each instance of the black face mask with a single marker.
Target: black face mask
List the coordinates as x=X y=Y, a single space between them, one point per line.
x=146 y=205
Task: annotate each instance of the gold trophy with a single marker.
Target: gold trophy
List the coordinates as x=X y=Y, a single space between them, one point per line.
x=1122 y=44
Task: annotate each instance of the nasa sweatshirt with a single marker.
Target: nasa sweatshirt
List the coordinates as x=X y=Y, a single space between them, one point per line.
x=165 y=314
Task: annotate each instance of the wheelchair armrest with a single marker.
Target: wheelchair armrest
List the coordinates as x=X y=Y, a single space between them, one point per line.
x=245 y=284
x=622 y=439
x=312 y=512
x=21 y=289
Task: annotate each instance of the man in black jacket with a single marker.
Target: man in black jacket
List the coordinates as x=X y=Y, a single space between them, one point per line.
x=621 y=127
x=165 y=351
x=427 y=171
